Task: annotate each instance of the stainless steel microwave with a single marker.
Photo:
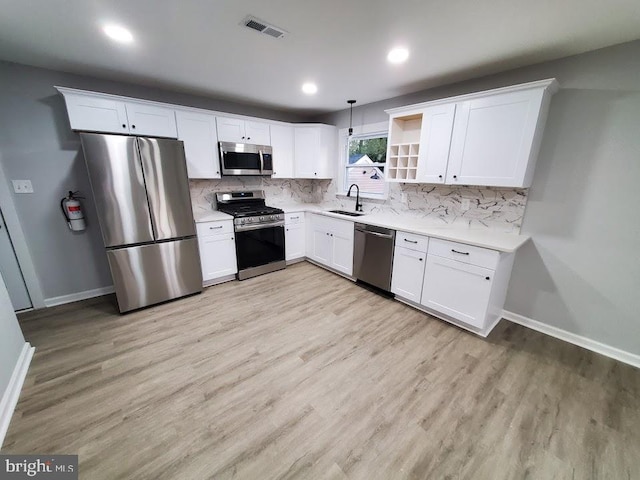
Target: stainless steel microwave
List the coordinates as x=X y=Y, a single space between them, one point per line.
x=245 y=159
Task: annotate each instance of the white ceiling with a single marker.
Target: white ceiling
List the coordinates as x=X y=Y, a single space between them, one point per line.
x=198 y=46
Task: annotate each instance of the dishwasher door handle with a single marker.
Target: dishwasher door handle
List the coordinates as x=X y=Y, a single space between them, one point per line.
x=383 y=235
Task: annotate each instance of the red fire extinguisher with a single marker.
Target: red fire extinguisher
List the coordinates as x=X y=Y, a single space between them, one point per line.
x=72 y=211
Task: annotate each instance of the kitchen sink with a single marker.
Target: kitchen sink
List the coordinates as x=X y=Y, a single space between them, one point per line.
x=344 y=212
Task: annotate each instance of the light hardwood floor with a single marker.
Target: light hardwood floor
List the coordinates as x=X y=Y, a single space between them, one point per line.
x=303 y=374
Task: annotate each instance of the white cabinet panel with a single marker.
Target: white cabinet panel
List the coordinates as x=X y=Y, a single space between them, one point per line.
x=408 y=273
x=457 y=289
x=306 y=144
x=342 y=255
x=282 y=145
x=294 y=241
x=217 y=245
x=321 y=245
x=198 y=132
x=492 y=139
x=243 y=131
x=435 y=140
x=151 y=120
x=230 y=130
x=315 y=150
x=330 y=242
x=96 y=114
x=257 y=133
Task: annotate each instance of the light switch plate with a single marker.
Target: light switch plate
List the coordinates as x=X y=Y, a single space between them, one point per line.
x=22 y=186
x=465 y=204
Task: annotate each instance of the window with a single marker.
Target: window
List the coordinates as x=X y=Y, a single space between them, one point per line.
x=365 y=162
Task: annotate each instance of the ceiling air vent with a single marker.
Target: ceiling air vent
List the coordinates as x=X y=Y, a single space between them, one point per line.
x=263 y=27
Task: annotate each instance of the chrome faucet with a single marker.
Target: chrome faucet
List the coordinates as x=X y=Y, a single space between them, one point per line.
x=358 y=204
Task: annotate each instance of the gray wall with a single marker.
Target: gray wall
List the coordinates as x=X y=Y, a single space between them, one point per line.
x=581 y=272
x=11 y=339
x=37 y=144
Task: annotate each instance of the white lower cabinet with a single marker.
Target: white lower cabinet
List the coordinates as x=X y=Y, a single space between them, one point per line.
x=457 y=289
x=217 y=245
x=294 y=236
x=330 y=243
x=408 y=273
x=459 y=283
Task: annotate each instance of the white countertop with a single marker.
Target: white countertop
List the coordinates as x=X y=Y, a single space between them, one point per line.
x=486 y=238
x=211 y=216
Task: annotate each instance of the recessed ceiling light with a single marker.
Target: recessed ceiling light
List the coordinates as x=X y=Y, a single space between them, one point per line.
x=309 y=88
x=118 y=33
x=398 y=55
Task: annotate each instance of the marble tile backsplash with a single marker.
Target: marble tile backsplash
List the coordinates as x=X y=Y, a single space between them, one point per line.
x=498 y=209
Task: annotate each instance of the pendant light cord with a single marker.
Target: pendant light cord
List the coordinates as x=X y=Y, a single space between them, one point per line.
x=351 y=102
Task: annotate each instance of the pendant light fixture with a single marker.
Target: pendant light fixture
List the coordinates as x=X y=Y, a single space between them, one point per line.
x=351 y=102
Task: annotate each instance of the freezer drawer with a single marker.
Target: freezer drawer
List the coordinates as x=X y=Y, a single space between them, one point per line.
x=154 y=273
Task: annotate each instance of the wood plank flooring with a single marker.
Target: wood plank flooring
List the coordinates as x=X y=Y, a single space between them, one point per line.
x=303 y=374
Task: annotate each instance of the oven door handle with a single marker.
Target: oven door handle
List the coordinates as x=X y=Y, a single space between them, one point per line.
x=246 y=228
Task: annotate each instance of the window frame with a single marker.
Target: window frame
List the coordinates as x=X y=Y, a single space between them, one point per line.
x=371 y=130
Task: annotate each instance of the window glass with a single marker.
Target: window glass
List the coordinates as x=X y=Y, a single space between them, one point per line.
x=366 y=159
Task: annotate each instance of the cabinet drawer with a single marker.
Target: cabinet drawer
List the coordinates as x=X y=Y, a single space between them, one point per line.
x=293 y=218
x=482 y=257
x=412 y=241
x=214 y=228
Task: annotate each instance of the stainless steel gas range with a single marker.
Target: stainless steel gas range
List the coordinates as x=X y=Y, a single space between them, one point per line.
x=259 y=232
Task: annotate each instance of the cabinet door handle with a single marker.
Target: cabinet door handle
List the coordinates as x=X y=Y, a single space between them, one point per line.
x=439 y=176
x=487 y=278
x=461 y=253
x=294 y=218
x=248 y=138
x=411 y=241
x=215 y=228
x=124 y=125
x=455 y=177
x=133 y=126
x=420 y=259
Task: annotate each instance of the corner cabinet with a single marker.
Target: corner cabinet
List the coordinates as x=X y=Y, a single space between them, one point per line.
x=98 y=112
x=315 y=150
x=489 y=138
x=198 y=133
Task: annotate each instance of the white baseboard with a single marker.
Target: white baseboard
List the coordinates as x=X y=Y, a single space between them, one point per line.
x=74 y=297
x=12 y=393
x=601 y=348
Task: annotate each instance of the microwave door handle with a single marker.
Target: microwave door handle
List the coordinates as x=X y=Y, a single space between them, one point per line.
x=261 y=162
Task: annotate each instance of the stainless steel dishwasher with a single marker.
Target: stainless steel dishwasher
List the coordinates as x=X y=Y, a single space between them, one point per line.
x=373 y=255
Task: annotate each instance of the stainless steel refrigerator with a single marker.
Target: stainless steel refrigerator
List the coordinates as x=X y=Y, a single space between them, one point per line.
x=142 y=197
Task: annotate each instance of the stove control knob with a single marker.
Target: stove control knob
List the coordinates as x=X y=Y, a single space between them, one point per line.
x=261 y=219
x=242 y=221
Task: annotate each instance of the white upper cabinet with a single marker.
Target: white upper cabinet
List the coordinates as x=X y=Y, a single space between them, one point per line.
x=243 y=131
x=198 y=132
x=282 y=145
x=97 y=112
x=151 y=120
x=315 y=150
x=488 y=138
x=493 y=140
x=435 y=137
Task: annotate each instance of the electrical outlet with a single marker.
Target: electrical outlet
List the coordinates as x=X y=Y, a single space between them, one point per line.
x=22 y=186
x=465 y=204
